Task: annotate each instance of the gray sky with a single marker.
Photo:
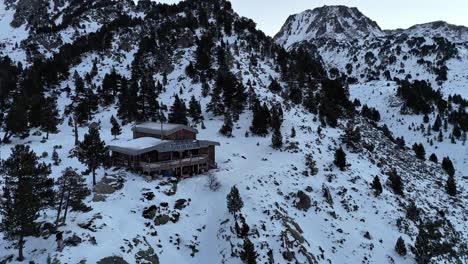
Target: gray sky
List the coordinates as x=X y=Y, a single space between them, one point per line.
x=389 y=14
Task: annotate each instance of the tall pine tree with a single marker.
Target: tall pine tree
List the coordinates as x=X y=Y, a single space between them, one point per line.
x=27 y=190
x=92 y=151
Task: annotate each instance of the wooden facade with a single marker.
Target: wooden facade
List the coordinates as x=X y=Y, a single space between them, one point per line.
x=177 y=153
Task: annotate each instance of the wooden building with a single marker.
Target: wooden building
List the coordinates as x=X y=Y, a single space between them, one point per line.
x=167 y=149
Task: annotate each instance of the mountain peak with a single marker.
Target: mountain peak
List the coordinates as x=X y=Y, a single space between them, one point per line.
x=337 y=22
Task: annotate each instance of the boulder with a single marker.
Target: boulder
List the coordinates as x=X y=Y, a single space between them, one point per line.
x=72 y=241
x=112 y=260
x=104 y=188
x=161 y=219
x=304 y=202
x=150 y=212
x=99 y=198
x=180 y=204
x=148 y=195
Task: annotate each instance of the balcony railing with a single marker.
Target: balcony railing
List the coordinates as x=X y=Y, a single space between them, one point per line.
x=170 y=164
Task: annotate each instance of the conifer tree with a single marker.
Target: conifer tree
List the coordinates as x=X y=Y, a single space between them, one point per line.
x=195 y=111
x=260 y=120
x=128 y=102
x=148 y=106
x=116 y=129
x=178 y=114
x=92 y=151
x=16 y=121
x=433 y=158
x=451 y=186
x=377 y=186
x=56 y=158
x=447 y=165
x=234 y=201
x=216 y=105
x=293 y=132
x=276 y=120
x=226 y=129
x=274 y=86
x=109 y=88
x=248 y=254
x=49 y=116
x=27 y=190
x=400 y=247
x=395 y=182
x=277 y=138
x=340 y=159
x=419 y=151
x=72 y=190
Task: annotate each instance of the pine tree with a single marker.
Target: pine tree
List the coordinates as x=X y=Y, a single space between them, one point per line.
x=92 y=151
x=340 y=159
x=178 y=114
x=274 y=86
x=451 y=186
x=248 y=254
x=109 y=88
x=27 y=190
x=16 y=121
x=260 y=120
x=447 y=165
x=276 y=120
x=400 y=247
x=277 y=139
x=419 y=151
x=128 y=102
x=226 y=129
x=72 y=190
x=293 y=132
x=148 y=106
x=216 y=105
x=49 y=116
x=55 y=158
x=234 y=201
x=433 y=158
x=422 y=247
x=376 y=186
x=116 y=128
x=396 y=182
x=195 y=111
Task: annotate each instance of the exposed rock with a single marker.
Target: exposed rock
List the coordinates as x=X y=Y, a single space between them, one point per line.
x=103 y=188
x=180 y=204
x=304 y=201
x=99 y=198
x=72 y=241
x=150 y=212
x=112 y=260
x=148 y=195
x=161 y=219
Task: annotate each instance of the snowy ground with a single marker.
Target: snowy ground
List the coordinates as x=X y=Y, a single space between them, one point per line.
x=382 y=96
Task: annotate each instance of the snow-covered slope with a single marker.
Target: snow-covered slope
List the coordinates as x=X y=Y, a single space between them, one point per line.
x=344 y=222
x=336 y=22
x=360 y=50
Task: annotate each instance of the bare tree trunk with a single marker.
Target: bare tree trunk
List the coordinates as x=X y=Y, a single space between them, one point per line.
x=66 y=207
x=59 y=211
x=6 y=137
x=94 y=176
x=20 y=248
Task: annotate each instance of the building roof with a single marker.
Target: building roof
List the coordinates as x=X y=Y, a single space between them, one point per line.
x=167 y=128
x=143 y=145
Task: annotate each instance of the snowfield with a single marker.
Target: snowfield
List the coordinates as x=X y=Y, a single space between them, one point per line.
x=346 y=222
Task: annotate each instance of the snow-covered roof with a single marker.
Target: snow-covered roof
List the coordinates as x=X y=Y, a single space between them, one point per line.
x=167 y=128
x=143 y=145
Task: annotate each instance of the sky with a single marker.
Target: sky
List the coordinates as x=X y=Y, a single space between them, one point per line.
x=270 y=15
